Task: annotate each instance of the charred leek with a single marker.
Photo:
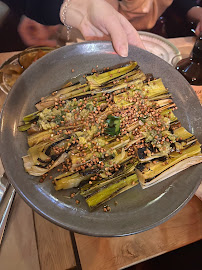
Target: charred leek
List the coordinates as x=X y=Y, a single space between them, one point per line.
x=100 y=129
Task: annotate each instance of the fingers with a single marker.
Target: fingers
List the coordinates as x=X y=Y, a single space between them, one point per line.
x=112 y=23
x=35 y=34
x=132 y=34
x=118 y=35
x=122 y=34
x=105 y=37
x=27 y=39
x=23 y=29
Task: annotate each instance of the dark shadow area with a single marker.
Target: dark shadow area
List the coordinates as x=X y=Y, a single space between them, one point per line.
x=185 y=258
x=170 y=25
x=10 y=39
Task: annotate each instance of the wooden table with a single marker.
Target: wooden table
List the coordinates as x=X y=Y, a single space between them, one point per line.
x=33 y=243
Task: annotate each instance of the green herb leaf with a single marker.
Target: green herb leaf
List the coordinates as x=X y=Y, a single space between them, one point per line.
x=113 y=125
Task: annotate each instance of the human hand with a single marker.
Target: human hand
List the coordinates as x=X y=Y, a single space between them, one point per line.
x=99 y=20
x=195 y=14
x=113 y=3
x=36 y=34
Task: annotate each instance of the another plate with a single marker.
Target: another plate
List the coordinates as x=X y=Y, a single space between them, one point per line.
x=12 y=68
x=160 y=47
x=137 y=209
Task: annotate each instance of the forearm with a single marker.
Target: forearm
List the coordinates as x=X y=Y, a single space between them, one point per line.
x=195 y=14
x=190 y=10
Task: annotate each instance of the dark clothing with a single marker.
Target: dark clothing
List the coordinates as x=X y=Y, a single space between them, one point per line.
x=43 y=11
x=47 y=11
x=183 y=6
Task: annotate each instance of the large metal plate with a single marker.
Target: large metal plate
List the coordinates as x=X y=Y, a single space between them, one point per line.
x=137 y=209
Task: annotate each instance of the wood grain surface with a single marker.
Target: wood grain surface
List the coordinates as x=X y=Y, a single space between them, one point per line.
x=31 y=242
x=184 y=44
x=19 y=248
x=115 y=253
x=54 y=245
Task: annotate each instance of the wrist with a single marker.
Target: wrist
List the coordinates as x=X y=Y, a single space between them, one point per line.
x=75 y=10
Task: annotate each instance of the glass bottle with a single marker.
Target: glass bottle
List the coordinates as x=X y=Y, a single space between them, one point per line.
x=191 y=67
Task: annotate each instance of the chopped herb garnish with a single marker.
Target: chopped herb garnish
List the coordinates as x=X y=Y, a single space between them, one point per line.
x=113 y=125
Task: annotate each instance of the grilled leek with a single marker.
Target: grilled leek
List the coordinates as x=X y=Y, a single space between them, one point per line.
x=107 y=132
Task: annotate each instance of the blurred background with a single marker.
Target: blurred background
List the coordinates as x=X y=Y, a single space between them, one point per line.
x=169 y=25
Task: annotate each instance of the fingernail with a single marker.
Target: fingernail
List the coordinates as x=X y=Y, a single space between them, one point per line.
x=123 y=51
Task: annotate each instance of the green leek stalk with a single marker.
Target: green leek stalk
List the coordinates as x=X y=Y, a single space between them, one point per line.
x=66 y=181
x=110 y=190
x=96 y=80
x=62 y=95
